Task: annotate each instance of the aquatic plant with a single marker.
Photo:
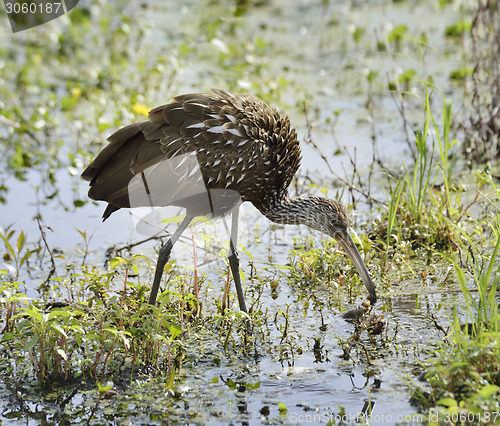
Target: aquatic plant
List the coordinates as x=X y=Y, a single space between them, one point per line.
x=17 y=253
x=100 y=333
x=464 y=375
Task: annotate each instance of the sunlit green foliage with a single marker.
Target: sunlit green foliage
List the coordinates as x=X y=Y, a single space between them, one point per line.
x=465 y=375
x=99 y=334
x=65 y=89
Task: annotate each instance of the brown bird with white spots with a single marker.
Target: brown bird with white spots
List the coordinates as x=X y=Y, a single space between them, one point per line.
x=233 y=146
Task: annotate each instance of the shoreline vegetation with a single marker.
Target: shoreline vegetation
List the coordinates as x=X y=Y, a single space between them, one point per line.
x=78 y=339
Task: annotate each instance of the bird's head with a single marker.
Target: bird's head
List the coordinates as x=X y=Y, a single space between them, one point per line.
x=330 y=217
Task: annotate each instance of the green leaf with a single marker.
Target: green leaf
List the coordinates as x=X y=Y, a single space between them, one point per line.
x=27 y=255
x=8 y=246
x=30 y=343
x=282 y=408
x=59 y=313
x=59 y=329
x=175 y=330
x=202 y=219
x=253 y=386
x=393 y=207
x=101 y=127
x=461 y=73
x=398 y=33
x=113 y=331
x=33 y=313
x=447 y=402
x=139 y=256
x=159 y=338
x=116 y=261
x=170 y=379
x=248 y=254
x=459 y=28
x=20 y=241
x=83 y=234
x=7 y=336
x=68 y=102
x=62 y=354
x=488 y=391
x=105 y=388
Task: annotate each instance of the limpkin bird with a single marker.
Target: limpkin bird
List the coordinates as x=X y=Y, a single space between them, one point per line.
x=238 y=149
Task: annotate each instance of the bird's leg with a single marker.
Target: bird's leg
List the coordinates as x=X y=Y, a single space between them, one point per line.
x=163 y=256
x=234 y=261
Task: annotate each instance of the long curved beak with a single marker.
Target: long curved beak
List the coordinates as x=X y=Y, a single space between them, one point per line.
x=348 y=245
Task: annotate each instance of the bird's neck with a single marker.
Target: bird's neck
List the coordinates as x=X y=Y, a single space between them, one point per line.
x=291 y=211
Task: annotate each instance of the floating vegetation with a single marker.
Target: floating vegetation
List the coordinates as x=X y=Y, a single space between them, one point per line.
x=94 y=332
x=364 y=84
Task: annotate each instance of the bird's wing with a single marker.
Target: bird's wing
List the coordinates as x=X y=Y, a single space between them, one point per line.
x=232 y=136
x=202 y=123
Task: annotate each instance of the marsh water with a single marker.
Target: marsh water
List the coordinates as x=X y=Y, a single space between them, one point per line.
x=319 y=62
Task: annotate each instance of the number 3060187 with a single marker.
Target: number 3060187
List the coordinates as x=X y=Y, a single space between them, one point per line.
x=42 y=7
